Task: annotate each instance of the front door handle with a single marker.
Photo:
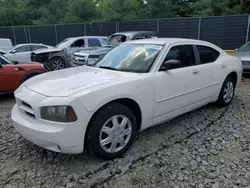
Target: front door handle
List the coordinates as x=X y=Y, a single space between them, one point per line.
x=196 y=72
x=223 y=66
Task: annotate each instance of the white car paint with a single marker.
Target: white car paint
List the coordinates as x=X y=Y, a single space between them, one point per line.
x=161 y=95
x=20 y=56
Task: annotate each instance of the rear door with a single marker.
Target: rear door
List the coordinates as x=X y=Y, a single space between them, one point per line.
x=7 y=78
x=208 y=71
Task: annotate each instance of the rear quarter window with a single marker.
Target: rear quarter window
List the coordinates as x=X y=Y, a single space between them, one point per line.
x=207 y=54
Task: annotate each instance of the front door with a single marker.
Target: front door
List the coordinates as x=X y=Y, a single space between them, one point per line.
x=176 y=89
x=7 y=82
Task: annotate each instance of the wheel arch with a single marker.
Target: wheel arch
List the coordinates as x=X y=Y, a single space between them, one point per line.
x=233 y=74
x=29 y=74
x=128 y=102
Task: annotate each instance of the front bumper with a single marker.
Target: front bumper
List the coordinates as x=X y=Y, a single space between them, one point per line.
x=55 y=136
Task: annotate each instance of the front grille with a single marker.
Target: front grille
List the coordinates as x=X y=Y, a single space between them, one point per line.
x=246 y=63
x=25 y=108
x=26 y=104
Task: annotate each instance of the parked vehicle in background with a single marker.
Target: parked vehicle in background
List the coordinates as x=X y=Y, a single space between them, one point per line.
x=134 y=86
x=81 y=57
x=21 y=52
x=244 y=54
x=2 y=52
x=59 y=57
x=5 y=44
x=12 y=74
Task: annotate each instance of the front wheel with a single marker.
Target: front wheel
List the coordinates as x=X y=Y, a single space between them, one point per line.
x=57 y=63
x=111 y=131
x=227 y=92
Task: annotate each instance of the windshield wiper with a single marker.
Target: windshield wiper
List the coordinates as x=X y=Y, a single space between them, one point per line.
x=106 y=67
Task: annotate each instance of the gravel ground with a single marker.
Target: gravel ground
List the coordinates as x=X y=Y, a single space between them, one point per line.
x=209 y=147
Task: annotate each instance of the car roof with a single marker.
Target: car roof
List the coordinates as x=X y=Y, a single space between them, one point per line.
x=135 y=33
x=86 y=37
x=25 y=44
x=163 y=41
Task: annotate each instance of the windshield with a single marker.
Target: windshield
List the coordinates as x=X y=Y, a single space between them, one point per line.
x=63 y=44
x=245 y=47
x=4 y=60
x=136 y=58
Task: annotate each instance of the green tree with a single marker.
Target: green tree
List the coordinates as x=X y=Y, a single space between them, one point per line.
x=80 y=11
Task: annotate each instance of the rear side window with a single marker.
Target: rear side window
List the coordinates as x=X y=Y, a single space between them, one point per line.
x=94 y=42
x=37 y=47
x=207 y=54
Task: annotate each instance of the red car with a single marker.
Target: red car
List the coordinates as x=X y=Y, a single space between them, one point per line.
x=12 y=74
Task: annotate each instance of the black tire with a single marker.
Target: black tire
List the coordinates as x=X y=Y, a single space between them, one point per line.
x=95 y=127
x=29 y=75
x=221 y=100
x=52 y=62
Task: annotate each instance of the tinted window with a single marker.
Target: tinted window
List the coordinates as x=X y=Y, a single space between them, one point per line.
x=23 y=49
x=37 y=47
x=79 y=43
x=183 y=53
x=94 y=42
x=4 y=61
x=207 y=54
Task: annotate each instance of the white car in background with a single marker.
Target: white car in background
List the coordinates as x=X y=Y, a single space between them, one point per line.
x=21 y=52
x=5 y=45
x=136 y=85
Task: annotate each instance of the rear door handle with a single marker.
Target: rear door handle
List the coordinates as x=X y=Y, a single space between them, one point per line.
x=196 y=72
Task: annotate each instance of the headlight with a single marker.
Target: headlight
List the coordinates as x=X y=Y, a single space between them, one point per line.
x=58 y=113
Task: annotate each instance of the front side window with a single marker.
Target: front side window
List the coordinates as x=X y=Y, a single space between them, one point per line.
x=94 y=42
x=78 y=43
x=4 y=61
x=182 y=53
x=136 y=58
x=117 y=39
x=25 y=48
x=207 y=54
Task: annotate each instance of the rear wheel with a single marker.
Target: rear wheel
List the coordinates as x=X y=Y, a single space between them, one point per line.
x=111 y=131
x=227 y=92
x=57 y=63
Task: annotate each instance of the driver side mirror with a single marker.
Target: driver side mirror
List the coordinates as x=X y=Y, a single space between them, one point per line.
x=13 y=51
x=170 y=64
x=1 y=66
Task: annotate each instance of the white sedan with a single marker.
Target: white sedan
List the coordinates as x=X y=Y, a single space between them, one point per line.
x=136 y=85
x=21 y=52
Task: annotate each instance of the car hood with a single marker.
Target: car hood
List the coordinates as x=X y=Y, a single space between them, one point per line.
x=244 y=56
x=69 y=81
x=48 y=50
x=97 y=51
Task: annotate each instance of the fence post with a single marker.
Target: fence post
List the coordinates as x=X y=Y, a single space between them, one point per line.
x=56 y=34
x=199 y=29
x=29 y=36
x=85 y=32
x=158 y=26
x=117 y=27
x=14 y=34
x=248 y=28
x=25 y=33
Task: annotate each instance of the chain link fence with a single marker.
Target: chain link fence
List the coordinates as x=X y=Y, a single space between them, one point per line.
x=228 y=32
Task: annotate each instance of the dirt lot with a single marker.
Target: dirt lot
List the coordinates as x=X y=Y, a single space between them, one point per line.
x=209 y=147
